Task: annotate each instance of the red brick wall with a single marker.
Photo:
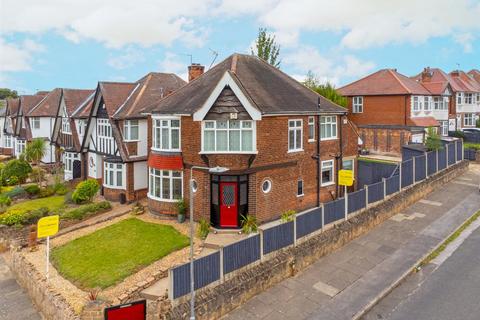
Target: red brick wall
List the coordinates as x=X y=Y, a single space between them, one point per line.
x=6 y=151
x=272 y=147
x=393 y=110
x=367 y=134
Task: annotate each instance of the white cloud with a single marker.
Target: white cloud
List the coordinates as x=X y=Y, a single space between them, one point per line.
x=174 y=63
x=332 y=68
x=18 y=57
x=126 y=60
x=466 y=40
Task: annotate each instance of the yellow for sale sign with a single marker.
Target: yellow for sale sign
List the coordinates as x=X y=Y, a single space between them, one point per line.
x=345 y=177
x=47 y=226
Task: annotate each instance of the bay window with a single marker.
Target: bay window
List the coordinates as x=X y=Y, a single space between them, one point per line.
x=166 y=185
x=232 y=136
x=66 y=126
x=295 y=135
x=113 y=175
x=8 y=141
x=130 y=130
x=328 y=127
x=166 y=134
x=469 y=119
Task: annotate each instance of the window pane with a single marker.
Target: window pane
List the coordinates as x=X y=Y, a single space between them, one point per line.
x=165 y=188
x=247 y=140
x=175 y=123
x=119 y=178
x=214 y=193
x=234 y=124
x=234 y=140
x=177 y=188
x=246 y=124
x=209 y=125
x=134 y=133
x=222 y=140
x=110 y=176
x=157 y=137
x=291 y=139
x=298 y=139
x=157 y=187
x=222 y=124
x=175 y=139
x=165 y=142
x=209 y=140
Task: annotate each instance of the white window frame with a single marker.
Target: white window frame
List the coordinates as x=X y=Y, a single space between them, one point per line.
x=444 y=127
x=82 y=124
x=160 y=124
x=242 y=127
x=295 y=126
x=357 y=104
x=459 y=97
x=66 y=129
x=331 y=121
x=35 y=123
x=163 y=174
x=300 y=181
x=127 y=130
x=20 y=147
x=348 y=160
x=8 y=141
x=470 y=120
x=105 y=141
x=111 y=169
x=427 y=106
x=68 y=159
x=311 y=129
x=328 y=164
x=416 y=104
x=468 y=98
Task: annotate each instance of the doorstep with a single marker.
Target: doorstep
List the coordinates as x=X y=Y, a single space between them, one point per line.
x=222 y=239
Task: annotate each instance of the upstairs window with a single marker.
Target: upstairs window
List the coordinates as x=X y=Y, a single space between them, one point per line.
x=468 y=98
x=459 y=98
x=311 y=128
x=104 y=129
x=426 y=104
x=66 y=126
x=437 y=103
x=295 y=135
x=478 y=97
x=328 y=127
x=416 y=104
x=35 y=123
x=357 y=105
x=166 y=134
x=130 y=130
x=82 y=124
x=234 y=136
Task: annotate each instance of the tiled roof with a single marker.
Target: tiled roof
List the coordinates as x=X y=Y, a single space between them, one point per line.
x=12 y=105
x=384 y=82
x=153 y=87
x=114 y=94
x=423 y=122
x=462 y=82
x=475 y=74
x=270 y=90
x=83 y=110
x=74 y=98
x=47 y=107
x=436 y=88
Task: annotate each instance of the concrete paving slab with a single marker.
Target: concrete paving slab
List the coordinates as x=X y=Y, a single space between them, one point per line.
x=326 y=289
x=432 y=203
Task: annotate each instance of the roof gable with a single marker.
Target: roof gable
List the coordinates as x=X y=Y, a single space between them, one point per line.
x=73 y=98
x=48 y=107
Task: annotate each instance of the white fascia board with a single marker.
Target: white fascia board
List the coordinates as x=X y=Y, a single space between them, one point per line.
x=227 y=80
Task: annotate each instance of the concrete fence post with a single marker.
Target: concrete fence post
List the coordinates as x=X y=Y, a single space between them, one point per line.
x=295 y=230
x=222 y=276
x=426 y=165
x=323 y=215
x=414 y=170
x=346 y=204
x=400 y=176
x=456 y=151
x=261 y=245
x=436 y=155
x=366 y=196
x=170 y=284
x=384 y=187
x=447 y=145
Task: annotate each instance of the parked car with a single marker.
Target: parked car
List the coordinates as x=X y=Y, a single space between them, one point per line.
x=473 y=130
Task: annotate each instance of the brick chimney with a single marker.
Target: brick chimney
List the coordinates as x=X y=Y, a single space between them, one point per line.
x=194 y=71
x=427 y=74
x=455 y=73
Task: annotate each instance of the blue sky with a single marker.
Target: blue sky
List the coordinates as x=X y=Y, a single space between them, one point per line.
x=62 y=43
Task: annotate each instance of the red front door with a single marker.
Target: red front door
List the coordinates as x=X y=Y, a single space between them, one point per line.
x=228 y=204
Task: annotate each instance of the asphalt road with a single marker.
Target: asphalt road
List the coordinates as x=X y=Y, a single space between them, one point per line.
x=450 y=291
x=15 y=304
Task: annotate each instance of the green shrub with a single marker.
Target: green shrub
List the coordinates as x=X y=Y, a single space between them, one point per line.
x=33 y=216
x=458 y=134
x=16 y=168
x=60 y=189
x=85 y=191
x=87 y=210
x=249 y=224
x=32 y=189
x=204 y=228
x=12 y=181
x=68 y=197
x=475 y=146
x=433 y=140
x=13 y=217
x=37 y=175
x=46 y=192
x=288 y=215
x=15 y=192
x=5 y=201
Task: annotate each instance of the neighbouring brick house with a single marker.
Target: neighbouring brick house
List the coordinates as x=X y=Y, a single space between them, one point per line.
x=69 y=131
x=116 y=134
x=264 y=126
x=467 y=99
x=19 y=121
x=391 y=110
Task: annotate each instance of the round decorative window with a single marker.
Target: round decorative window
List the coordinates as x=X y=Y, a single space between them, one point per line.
x=194 y=186
x=266 y=186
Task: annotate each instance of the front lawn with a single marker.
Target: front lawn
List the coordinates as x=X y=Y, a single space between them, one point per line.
x=111 y=254
x=28 y=211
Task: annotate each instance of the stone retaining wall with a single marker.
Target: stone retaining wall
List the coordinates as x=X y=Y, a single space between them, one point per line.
x=213 y=302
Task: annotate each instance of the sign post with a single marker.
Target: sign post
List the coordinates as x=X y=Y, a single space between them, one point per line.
x=46 y=227
x=345 y=178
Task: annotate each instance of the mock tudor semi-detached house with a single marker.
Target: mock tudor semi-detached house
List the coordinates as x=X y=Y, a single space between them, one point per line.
x=391 y=110
x=116 y=134
x=11 y=108
x=69 y=131
x=281 y=142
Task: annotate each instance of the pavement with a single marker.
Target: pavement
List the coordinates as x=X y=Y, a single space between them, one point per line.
x=15 y=303
x=347 y=282
x=448 y=288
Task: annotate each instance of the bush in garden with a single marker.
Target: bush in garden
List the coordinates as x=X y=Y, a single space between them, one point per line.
x=85 y=191
x=13 y=181
x=16 y=168
x=33 y=216
x=87 y=210
x=46 y=192
x=68 y=197
x=15 y=192
x=5 y=201
x=37 y=175
x=60 y=189
x=13 y=217
x=32 y=189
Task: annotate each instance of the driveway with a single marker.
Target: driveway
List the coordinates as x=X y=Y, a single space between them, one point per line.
x=15 y=304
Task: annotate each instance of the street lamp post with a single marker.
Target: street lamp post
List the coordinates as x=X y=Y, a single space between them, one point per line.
x=192 y=280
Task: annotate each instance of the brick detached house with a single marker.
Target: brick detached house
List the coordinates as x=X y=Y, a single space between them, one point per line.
x=11 y=108
x=467 y=99
x=116 y=134
x=282 y=143
x=20 y=132
x=69 y=131
x=391 y=110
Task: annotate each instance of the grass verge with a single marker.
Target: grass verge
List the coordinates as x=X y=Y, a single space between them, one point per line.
x=450 y=239
x=109 y=255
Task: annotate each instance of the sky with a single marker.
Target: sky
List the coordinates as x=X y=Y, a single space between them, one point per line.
x=74 y=44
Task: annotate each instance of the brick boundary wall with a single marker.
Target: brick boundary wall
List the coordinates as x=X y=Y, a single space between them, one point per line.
x=215 y=301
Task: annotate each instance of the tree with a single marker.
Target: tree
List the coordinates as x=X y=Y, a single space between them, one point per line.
x=7 y=93
x=35 y=150
x=327 y=89
x=266 y=48
x=433 y=140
